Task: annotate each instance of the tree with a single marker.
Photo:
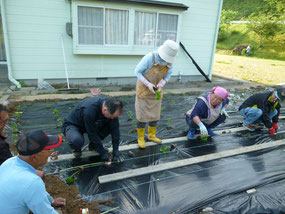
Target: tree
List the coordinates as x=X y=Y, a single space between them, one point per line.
x=264 y=27
x=226 y=17
x=277 y=9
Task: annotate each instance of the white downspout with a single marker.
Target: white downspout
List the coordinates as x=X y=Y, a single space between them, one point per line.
x=7 y=47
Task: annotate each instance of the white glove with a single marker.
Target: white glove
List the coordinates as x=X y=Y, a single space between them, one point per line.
x=161 y=84
x=147 y=84
x=203 y=129
x=224 y=112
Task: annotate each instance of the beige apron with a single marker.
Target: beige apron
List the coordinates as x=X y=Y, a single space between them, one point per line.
x=147 y=108
x=213 y=114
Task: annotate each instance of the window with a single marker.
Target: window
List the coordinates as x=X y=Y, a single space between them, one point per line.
x=121 y=29
x=152 y=31
x=98 y=26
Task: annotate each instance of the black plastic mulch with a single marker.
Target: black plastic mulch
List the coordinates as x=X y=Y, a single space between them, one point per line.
x=220 y=184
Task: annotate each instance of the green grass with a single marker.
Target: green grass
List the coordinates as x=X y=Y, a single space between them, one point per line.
x=246 y=8
x=262 y=71
x=238 y=34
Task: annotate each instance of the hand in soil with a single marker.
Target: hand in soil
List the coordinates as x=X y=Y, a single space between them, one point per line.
x=58 y=202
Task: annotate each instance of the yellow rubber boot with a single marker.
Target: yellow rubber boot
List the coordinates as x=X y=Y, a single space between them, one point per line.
x=151 y=135
x=141 y=141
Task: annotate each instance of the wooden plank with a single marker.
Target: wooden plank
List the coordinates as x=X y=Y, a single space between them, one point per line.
x=135 y=146
x=186 y=162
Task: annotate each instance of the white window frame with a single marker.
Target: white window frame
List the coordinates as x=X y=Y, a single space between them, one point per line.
x=109 y=49
x=156 y=25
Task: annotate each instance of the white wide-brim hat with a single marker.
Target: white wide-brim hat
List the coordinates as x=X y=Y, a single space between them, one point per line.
x=168 y=51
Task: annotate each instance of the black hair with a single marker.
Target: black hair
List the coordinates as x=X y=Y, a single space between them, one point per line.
x=114 y=105
x=3 y=107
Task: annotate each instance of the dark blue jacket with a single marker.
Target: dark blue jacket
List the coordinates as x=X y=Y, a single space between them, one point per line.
x=201 y=109
x=87 y=116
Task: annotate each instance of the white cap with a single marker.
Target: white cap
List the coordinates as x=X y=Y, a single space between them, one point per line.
x=168 y=51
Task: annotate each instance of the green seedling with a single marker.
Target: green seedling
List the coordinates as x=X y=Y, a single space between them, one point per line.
x=14 y=128
x=126 y=99
x=18 y=115
x=164 y=149
x=130 y=114
x=169 y=121
x=247 y=135
x=48 y=105
x=55 y=112
x=59 y=122
x=71 y=179
x=18 y=107
x=162 y=108
x=204 y=138
x=158 y=96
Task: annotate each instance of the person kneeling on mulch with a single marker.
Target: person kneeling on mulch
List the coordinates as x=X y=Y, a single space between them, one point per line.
x=21 y=189
x=208 y=112
x=262 y=108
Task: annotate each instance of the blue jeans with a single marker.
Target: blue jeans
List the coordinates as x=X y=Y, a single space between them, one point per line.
x=253 y=115
x=193 y=125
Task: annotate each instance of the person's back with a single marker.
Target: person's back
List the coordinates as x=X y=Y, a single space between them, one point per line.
x=76 y=116
x=21 y=189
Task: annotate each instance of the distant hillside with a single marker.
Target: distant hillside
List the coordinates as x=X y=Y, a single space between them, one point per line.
x=245 y=8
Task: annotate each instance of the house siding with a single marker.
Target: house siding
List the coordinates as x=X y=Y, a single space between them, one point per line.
x=35 y=28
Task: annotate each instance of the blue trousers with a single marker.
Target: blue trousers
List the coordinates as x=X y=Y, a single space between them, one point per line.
x=217 y=122
x=253 y=115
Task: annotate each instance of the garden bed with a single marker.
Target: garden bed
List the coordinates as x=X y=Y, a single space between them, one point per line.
x=183 y=190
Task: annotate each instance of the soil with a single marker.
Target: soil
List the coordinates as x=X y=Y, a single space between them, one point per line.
x=58 y=188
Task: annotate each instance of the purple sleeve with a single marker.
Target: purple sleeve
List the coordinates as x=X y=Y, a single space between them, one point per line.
x=200 y=110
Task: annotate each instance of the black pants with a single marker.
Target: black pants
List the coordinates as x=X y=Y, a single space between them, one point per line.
x=76 y=139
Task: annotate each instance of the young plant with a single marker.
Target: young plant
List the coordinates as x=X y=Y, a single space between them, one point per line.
x=14 y=128
x=157 y=94
x=130 y=115
x=48 y=105
x=18 y=107
x=204 y=138
x=55 y=112
x=59 y=123
x=164 y=149
x=169 y=127
x=71 y=179
x=169 y=121
x=18 y=115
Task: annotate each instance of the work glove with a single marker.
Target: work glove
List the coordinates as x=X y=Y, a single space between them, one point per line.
x=147 y=84
x=224 y=112
x=275 y=126
x=272 y=131
x=151 y=87
x=203 y=129
x=161 y=84
x=118 y=157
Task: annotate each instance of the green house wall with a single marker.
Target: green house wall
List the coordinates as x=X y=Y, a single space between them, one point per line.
x=34 y=35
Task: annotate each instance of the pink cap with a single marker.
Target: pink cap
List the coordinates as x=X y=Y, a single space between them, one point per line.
x=221 y=92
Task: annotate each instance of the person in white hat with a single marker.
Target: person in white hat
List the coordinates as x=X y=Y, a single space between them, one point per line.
x=153 y=71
